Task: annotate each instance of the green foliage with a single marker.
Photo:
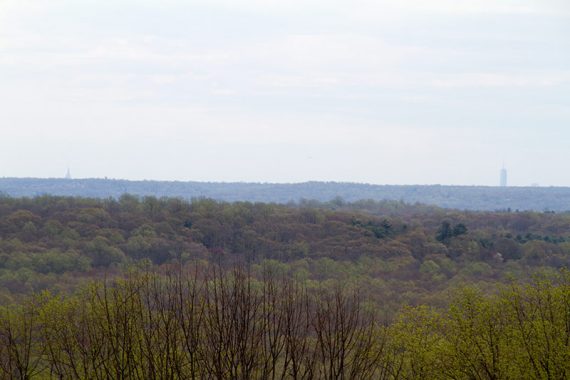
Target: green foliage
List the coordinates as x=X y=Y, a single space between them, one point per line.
x=102 y=253
x=446 y=232
x=203 y=321
x=413 y=253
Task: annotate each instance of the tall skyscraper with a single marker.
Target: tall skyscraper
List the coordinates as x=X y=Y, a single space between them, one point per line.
x=68 y=174
x=503 y=177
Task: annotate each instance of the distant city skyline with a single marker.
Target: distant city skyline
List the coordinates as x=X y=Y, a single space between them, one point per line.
x=381 y=92
x=67 y=175
x=503 y=180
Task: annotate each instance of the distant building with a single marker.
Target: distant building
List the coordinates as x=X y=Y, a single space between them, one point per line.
x=68 y=174
x=503 y=177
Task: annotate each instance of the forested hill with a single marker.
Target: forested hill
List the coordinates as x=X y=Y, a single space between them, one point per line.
x=403 y=253
x=457 y=197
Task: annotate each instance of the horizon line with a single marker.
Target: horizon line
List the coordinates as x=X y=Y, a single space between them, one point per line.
x=277 y=183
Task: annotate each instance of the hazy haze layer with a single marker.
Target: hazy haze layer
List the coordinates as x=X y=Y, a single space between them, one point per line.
x=394 y=92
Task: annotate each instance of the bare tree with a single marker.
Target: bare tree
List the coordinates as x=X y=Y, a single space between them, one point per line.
x=21 y=351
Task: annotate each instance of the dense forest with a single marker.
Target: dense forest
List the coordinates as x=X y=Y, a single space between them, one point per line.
x=145 y=287
x=456 y=197
x=401 y=254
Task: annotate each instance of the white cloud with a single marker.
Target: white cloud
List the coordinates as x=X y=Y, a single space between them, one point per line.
x=502 y=80
x=363 y=6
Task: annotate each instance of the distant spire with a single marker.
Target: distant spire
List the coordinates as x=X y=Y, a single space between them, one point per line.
x=68 y=174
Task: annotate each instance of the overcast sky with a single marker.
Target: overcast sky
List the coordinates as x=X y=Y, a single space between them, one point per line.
x=377 y=91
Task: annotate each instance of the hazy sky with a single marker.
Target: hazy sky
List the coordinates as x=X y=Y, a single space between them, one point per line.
x=383 y=91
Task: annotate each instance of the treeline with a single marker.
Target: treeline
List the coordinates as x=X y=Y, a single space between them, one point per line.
x=202 y=321
x=482 y=198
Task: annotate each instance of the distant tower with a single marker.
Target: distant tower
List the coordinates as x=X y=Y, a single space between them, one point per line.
x=68 y=174
x=503 y=177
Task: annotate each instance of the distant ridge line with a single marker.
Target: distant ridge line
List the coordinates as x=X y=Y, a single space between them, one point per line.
x=447 y=196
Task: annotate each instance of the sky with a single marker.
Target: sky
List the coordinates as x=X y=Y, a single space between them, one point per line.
x=374 y=91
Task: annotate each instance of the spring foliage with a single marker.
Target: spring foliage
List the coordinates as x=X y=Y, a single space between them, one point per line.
x=206 y=322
